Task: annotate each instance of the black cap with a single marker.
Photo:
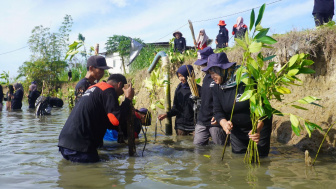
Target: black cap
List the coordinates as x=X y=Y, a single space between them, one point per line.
x=97 y=62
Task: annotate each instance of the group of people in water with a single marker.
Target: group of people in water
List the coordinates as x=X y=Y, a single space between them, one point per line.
x=15 y=95
x=202 y=41
x=98 y=115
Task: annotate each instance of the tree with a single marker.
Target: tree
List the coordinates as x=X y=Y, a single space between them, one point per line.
x=48 y=51
x=120 y=44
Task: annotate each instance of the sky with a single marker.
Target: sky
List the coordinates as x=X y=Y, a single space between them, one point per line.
x=149 y=20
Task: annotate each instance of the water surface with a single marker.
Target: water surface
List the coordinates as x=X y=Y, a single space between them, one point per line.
x=30 y=159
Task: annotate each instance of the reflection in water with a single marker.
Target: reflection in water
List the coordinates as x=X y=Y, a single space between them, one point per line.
x=30 y=159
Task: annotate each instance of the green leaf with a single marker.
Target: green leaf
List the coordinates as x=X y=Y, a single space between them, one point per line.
x=252 y=19
x=293 y=72
x=159 y=105
x=312 y=126
x=241 y=43
x=299 y=107
x=253 y=71
x=255 y=47
x=260 y=111
x=308 y=100
x=292 y=60
x=283 y=90
x=308 y=130
x=269 y=58
x=198 y=80
x=246 y=95
x=294 y=120
x=260 y=15
x=296 y=130
x=263 y=32
x=307 y=63
x=306 y=71
x=267 y=40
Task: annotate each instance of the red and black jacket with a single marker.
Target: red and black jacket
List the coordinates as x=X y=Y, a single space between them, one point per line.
x=97 y=110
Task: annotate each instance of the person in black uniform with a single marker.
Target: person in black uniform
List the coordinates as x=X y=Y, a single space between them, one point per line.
x=224 y=94
x=183 y=104
x=179 y=42
x=17 y=97
x=207 y=126
x=1 y=97
x=222 y=38
x=33 y=95
x=323 y=11
x=95 y=71
x=97 y=110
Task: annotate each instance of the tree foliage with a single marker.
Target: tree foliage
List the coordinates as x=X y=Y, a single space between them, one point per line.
x=48 y=50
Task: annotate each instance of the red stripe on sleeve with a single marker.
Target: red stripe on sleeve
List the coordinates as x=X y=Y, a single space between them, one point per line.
x=113 y=119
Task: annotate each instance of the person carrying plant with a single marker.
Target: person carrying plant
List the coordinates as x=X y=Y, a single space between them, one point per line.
x=323 y=11
x=239 y=29
x=97 y=110
x=224 y=94
x=207 y=126
x=179 y=42
x=142 y=117
x=222 y=38
x=96 y=65
x=202 y=40
x=183 y=103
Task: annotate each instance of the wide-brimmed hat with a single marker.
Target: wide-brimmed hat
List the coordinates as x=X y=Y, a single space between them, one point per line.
x=176 y=33
x=202 y=56
x=219 y=60
x=221 y=23
x=97 y=62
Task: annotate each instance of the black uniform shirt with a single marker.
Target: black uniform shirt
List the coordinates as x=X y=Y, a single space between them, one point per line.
x=180 y=44
x=81 y=87
x=97 y=110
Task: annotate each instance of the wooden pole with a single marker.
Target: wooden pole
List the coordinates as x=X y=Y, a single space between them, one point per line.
x=192 y=33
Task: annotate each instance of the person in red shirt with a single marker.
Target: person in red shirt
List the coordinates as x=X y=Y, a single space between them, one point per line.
x=202 y=39
x=239 y=29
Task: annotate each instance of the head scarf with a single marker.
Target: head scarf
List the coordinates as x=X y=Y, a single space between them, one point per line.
x=18 y=86
x=240 y=22
x=32 y=87
x=228 y=75
x=186 y=71
x=202 y=38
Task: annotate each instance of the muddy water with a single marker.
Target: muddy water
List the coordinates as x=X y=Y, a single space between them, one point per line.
x=30 y=159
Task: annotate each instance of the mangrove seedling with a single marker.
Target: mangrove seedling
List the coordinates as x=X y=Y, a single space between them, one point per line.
x=264 y=85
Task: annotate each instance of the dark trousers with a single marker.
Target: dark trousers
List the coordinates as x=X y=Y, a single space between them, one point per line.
x=79 y=157
x=320 y=19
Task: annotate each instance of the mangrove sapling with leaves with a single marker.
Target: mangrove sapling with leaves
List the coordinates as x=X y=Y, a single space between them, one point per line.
x=263 y=84
x=153 y=84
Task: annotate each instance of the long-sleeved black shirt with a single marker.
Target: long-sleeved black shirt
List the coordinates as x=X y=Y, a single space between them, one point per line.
x=205 y=113
x=97 y=110
x=33 y=95
x=183 y=109
x=180 y=44
x=324 y=7
x=222 y=38
x=17 y=99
